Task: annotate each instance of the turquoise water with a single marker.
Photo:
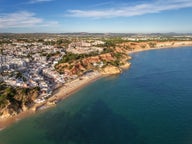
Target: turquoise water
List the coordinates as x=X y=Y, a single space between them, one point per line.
x=151 y=103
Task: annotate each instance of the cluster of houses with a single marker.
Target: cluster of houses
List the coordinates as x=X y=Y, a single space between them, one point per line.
x=143 y=37
x=85 y=47
x=25 y=64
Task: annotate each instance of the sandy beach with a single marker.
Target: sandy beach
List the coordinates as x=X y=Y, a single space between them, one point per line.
x=75 y=85
x=62 y=93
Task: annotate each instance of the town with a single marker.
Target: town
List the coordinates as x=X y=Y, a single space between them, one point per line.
x=29 y=61
x=32 y=64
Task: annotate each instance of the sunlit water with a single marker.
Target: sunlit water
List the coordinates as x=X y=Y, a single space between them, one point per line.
x=151 y=103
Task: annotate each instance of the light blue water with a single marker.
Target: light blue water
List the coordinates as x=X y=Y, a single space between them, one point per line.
x=151 y=103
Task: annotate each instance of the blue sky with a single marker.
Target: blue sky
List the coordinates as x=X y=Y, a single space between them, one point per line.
x=120 y=16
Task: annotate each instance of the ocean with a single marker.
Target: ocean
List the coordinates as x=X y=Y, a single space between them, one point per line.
x=150 y=103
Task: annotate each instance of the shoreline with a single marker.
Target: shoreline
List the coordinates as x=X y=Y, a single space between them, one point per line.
x=68 y=89
x=60 y=94
x=159 y=48
x=72 y=87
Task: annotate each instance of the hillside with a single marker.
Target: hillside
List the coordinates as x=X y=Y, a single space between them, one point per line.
x=15 y=100
x=78 y=65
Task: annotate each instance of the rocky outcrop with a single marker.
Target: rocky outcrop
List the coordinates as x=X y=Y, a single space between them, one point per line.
x=125 y=66
x=108 y=63
x=78 y=67
x=16 y=100
x=108 y=70
x=107 y=57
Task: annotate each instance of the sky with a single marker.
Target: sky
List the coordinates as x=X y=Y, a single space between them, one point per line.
x=96 y=16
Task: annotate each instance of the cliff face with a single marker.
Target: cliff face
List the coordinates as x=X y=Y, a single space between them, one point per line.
x=99 y=58
x=15 y=100
x=128 y=46
x=108 y=59
x=173 y=44
x=110 y=70
x=126 y=65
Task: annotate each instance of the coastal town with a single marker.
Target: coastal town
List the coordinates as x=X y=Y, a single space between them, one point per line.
x=95 y=71
x=52 y=62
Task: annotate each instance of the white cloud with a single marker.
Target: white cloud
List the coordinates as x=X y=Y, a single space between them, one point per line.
x=22 y=19
x=39 y=1
x=127 y=11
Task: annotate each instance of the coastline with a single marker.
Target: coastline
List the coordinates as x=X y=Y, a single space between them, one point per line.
x=69 y=88
x=74 y=86
x=181 y=45
x=60 y=94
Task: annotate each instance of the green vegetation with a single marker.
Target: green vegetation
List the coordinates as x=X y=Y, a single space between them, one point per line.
x=5 y=42
x=112 y=42
x=114 y=63
x=23 y=40
x=6 y=94
x=59 y=42
x=118 y=55
x=51 y=54
x=152 y=44
x=49 y=43
x=15 y=96
x=19 y=75
x=70 y=57
x=107 y=50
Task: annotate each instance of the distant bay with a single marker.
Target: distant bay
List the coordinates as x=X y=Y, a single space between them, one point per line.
x=150 y=103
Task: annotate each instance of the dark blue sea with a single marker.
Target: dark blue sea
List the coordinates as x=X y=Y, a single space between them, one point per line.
x=150 y=103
